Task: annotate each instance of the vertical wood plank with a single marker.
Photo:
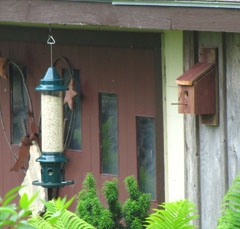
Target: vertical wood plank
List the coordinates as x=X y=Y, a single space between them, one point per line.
x=1 y=139
x=212 y=145
x=159 y=127
x=233 y=104
x=192 y=186
x=174 y=122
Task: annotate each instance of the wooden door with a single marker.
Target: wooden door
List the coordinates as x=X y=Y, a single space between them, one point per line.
x=118 y=109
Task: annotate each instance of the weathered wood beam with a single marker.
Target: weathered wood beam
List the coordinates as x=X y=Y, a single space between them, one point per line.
x=105 y=14
x=191 y=132
x=213 y=143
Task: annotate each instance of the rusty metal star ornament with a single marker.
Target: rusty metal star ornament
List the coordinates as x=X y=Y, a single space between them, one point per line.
x=23 y=154
x=24 y=150
x=70 y=95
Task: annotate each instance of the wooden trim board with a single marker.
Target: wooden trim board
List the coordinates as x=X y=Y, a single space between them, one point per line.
x=210 y=55
x=105 y=14
x=81 y=37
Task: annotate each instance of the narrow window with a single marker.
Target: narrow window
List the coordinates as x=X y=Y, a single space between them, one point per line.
x=146 y=155
x=108 y=133
x=73 y=132
x=19 y=105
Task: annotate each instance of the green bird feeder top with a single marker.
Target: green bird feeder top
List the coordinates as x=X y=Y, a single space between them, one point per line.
x=51 y=81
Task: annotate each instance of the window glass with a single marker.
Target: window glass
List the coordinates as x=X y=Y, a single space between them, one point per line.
x=75 y=131
x=146 y=155
x=19 y=104
x=108 y=133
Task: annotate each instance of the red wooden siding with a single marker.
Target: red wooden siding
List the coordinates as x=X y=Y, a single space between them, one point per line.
x=127 y=72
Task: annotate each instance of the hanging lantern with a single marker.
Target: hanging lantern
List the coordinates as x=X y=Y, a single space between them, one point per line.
x=52 y=159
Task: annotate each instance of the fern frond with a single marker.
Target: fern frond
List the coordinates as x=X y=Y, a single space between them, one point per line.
x=51 y=209
x=39 y=222
x=58 y=217
x=175 y=215
x=231 y=207
x=72 y=221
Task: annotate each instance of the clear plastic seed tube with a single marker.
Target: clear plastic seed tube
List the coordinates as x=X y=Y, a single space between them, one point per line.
x=52 y=121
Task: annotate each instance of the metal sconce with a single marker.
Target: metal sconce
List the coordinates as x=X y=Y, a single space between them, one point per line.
x=52 y=159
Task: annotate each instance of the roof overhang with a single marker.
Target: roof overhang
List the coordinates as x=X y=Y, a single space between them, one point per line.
x=120 y=16
x=180 y=3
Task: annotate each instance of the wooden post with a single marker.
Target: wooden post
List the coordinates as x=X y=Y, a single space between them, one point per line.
x=192 y=183
x=212 y=144
x=233 y=108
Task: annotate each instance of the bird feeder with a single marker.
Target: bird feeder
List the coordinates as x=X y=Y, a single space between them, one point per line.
x=52 y=159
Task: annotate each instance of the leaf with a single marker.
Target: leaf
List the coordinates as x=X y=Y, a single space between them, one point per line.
x=23 y=202
x=57 y=219
x=25 y=226
x=8 y=210
x=59 y=203
x=27 y=213
x=6 y=222
x=53 y=219
x=71 y=221
x=12 y=191
x=33 y=198
x=69 y=203
x=176 y=215
x=231 y=210
x=8 y=200
x=39 y=223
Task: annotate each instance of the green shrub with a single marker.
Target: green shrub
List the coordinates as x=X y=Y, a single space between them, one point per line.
x=136 y=207
x=134 y=211
x=114 y=205
x=89 y=207
x=175 y=215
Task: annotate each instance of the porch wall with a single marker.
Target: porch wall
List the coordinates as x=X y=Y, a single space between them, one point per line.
x=213 y=153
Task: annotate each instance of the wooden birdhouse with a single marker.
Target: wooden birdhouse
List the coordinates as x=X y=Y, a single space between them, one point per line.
x=197 y=88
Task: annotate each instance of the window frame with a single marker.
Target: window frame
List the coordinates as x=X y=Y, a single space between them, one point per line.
x=11 y=72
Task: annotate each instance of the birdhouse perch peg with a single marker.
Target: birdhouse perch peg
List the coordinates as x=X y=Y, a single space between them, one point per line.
x=198 y=89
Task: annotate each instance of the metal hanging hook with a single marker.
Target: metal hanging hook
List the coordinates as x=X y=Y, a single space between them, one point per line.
x=51 y=42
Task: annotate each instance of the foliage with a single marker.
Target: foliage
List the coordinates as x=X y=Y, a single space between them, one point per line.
x=111 y=194
x=89 y=207
x=231 y=212
x=147 y=181
x=107 y=138
x=175 y=215
x=109 y=146
x=58 y=217
x=137 y=205
x=134 y=211
x=15 y=216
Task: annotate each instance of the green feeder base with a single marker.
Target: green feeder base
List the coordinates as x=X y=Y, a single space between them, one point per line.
x=52 y=170
x=52 y=185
